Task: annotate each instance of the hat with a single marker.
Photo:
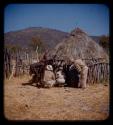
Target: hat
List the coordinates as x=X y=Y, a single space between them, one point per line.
x=49 y=67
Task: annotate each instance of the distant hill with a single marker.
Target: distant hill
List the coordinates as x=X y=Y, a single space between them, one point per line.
x=96 y=38
x=50 y=37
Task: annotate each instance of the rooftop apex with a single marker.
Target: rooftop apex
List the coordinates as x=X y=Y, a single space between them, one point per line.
x=76 y=31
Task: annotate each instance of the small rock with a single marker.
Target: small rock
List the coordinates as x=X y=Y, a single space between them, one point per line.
x=67 y=90
x=26 y=106
x=21 y=95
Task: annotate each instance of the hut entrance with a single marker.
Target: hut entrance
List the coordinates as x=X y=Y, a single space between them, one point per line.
x=71 y=76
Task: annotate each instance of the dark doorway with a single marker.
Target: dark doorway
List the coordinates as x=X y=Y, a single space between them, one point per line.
x=71 y=76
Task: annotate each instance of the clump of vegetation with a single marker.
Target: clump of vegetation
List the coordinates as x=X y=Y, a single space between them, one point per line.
x=36 y=44
x=104 y=42
x=13 y=47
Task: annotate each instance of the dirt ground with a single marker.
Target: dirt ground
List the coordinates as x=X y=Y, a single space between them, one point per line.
x=26 y=102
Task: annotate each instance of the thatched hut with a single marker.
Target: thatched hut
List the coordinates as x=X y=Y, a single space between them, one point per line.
x=78 y=44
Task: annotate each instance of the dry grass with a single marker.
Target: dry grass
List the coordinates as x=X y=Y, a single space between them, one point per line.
x=31 y=103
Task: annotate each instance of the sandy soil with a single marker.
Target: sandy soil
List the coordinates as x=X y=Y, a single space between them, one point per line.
x=25 y=102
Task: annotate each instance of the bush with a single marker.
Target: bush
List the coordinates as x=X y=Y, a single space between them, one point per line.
x=104 y=42
x=12 y=47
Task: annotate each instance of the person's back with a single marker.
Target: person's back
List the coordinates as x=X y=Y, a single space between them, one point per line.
x=49 y=77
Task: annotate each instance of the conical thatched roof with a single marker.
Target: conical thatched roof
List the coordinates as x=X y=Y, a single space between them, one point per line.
x=78 y=44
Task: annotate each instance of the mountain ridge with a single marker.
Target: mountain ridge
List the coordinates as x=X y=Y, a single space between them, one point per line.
x=23 y=37
x=50 y=37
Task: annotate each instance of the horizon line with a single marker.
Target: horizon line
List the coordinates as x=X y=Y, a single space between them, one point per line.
x=51 y=29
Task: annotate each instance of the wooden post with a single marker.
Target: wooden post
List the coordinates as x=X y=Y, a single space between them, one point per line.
x=37 y=53
x=13 y=63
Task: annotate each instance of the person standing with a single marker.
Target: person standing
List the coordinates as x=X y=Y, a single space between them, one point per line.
x=82 y=69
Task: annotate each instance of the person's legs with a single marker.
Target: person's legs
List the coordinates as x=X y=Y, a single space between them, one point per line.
x=79 y=82
x=84 y=77
x=49 y=84
x=53 y=83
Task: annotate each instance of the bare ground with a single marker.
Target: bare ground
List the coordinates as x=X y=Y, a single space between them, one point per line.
x=57 y=103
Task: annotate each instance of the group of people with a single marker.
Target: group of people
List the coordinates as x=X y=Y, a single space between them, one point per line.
x=58 y=78
x=53 y=78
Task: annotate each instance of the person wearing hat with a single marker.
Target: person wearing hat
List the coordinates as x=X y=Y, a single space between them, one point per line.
x=49 y=77
x=82 y=69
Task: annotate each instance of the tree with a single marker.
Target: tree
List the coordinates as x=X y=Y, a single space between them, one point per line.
x=37 y=42
x=104 y=42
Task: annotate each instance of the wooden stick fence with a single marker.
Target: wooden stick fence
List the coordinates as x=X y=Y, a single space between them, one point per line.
x=23 y=60
x=7 y=63
x=98 y=71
